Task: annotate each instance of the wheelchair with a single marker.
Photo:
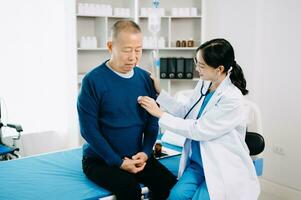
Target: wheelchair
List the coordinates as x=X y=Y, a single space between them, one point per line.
x=8 y=152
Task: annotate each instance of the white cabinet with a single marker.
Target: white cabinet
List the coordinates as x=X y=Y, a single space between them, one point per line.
x=180 y=21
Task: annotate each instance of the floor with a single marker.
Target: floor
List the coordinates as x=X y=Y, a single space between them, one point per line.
x=266 y=196
x=272 y=191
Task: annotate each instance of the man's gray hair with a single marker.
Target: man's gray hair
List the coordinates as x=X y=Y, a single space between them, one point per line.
x=124 y=25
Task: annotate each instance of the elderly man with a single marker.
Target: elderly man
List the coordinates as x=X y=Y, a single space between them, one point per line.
x=120 y=134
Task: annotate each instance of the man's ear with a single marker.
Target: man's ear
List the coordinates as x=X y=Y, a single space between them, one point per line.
x=110 y=46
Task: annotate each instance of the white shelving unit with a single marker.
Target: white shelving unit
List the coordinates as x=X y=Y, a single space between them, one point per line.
x=146 y=49
x=173 y=28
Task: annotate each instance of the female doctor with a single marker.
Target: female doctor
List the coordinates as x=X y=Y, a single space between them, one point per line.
x=215 y=162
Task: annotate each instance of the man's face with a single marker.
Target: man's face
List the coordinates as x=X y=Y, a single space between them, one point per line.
x=126 y=51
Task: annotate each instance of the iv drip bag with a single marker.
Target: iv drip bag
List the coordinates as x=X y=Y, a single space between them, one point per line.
x=154 y=21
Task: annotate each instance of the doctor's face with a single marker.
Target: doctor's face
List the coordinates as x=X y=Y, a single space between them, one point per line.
x=126 y=51
x=206 y=72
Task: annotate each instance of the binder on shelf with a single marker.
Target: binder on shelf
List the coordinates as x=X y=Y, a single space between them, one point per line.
x=180 y=71
x=164 y=68
x=189 y=68
x=172 y=67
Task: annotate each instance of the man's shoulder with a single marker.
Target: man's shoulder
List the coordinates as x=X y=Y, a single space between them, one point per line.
x=97 y=72
x=142 y=72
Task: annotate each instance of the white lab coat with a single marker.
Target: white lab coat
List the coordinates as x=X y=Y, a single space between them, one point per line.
x=229 y=170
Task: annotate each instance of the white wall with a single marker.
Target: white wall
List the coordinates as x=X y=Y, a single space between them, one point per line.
x=266 y=37
x=280 y=85
x=235 y=21
x=38 y=65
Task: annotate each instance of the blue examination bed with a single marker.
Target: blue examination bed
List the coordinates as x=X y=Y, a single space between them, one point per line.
x=54 y=176
x=59 y=176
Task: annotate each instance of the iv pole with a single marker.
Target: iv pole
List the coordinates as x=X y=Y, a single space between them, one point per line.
x=154 y=26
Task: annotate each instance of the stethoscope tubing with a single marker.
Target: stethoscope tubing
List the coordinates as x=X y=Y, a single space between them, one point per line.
x=202 y=95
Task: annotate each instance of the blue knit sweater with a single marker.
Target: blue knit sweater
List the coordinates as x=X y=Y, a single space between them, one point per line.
x=111 y=121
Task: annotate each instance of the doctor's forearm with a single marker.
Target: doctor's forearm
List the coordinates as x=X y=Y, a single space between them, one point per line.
x=170 y=104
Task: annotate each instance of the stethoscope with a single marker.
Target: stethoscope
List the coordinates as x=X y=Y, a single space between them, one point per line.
x=202 y=95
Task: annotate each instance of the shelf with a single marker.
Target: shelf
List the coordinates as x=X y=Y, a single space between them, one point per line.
x=113 y=17
x=147 y=17
x=177 y=17
x=194 y=79
x=146 y=49
x=92 y=49
x=186 y=17
x=173 y=48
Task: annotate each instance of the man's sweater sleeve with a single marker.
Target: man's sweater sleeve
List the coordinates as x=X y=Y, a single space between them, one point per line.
x=88 y=107
x=151 y=129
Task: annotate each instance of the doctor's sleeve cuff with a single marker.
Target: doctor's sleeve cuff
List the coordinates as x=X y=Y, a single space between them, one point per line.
x=165 y=119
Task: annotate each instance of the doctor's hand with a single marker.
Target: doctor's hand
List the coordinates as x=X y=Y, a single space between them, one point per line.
x=141 y=156
x=131 y=165
x=150 y=106
x=156 y=83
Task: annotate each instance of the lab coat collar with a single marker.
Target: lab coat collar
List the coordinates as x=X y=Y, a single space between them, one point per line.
x=225 y=83
x=218 y=92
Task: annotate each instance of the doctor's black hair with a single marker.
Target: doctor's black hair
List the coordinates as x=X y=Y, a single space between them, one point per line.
x=219 y=52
